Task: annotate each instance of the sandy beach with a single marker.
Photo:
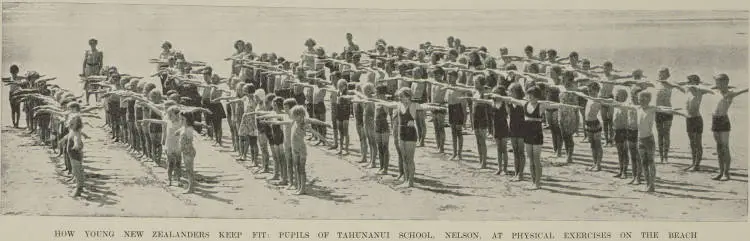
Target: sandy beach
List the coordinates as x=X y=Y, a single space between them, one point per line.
x=121 y=183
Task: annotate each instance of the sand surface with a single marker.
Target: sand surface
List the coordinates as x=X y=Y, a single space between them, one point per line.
x=123 y=185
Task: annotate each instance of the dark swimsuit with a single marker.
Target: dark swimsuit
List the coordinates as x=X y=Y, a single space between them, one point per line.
x=456 y=114
x=381 y=120
x=481 y=116
x=277 y=135
x=721 y=124
x=534 y=132
x=406 y=133
x=343 y=109
x=517 y=121
x=500 y=121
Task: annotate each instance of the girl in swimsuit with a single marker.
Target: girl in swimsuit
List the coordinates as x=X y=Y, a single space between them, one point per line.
x=533 y=140
x=408 y=134
x=481 y=118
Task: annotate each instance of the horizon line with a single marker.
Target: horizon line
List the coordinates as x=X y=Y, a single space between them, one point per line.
x=382 y=6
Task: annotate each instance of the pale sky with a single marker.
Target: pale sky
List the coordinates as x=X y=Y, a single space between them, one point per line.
x=454 y=4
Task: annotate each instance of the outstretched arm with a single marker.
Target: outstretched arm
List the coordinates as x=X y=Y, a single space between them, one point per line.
x=737 y=93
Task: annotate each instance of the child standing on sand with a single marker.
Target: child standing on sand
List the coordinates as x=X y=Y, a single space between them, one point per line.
x=694 y=121
x=721 y=125
x=646 y=114
x=620 y=126
x=593 y=126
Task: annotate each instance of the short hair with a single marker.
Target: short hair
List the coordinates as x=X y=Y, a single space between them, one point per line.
x=93 y=41
x=511 y=67
x=517 y=90
x=148 y=87
x=14 y=69
x=500 y=90
x=642 y=94
x=167 y=44
x=270 y=97
x=74 y=106
x=310 y=42
x=248 y=89
x=298 y=112
x=278 y=101
x=528 y=48
x=480 y=80
x=340 y=84
x=621 y=92
x=405 y=92
x=551 y=52
x=573 y=54
x=368 y=89
x=535 y=91
x=260 y=93
x=155 y=95
x=288 y=103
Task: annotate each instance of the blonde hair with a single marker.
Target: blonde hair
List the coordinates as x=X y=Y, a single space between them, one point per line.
x=298 y=111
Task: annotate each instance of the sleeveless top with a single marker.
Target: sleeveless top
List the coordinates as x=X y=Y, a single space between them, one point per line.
x=406 y=132
x=517 y=122
x=533 y=119
x=381 y=119
x=500 y=117
x=481 y=113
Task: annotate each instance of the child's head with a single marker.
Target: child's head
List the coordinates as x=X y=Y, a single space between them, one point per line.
x=269 y=99
x=298 y=113
x=173 y=113
x=259 y=94
x=289 y=103
x=240 y=89
x=175 y=98
x=500 y=90
x=278 y=103
x=148 y=87
x=480 y=82
x=644 y=98
x=621 y=95
x=368 y=90
x=534 y=93
x=155 y=96
x=14 y=69
x=637 y=74
x=452 y=76
x=722 y=81
x=341 y=84
x=516 y=90
x=74 y=106
x=664 y=73
x=593 y=89
x=405 y=94
x=381 y=90
x=585 y=64
x=248 y=89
